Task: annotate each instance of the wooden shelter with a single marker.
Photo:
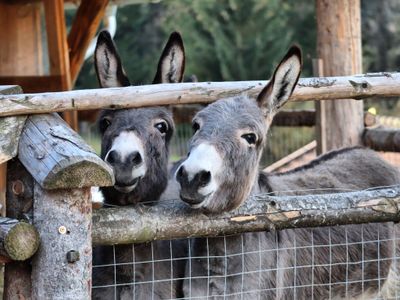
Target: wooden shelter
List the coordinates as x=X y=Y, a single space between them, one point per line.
x=36 y=52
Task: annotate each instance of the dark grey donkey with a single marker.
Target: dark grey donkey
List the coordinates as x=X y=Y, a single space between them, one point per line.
x=221 y=172
x=135 y=143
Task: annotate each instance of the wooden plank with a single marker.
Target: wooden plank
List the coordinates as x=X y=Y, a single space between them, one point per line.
x=57 y=157
x=58 y=50
x=326 y=88
x=62 y=267
x=83 y=30
x=339 y=47
x=35 y=84
x=20 y=30
x=129 y=225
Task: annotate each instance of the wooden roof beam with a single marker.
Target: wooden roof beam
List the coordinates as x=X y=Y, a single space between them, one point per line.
x=83 y=30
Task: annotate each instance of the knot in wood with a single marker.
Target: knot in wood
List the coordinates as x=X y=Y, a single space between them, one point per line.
x=72 y=256
x=17 y=187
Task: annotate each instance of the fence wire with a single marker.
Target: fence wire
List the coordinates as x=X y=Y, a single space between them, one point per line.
x=341 y=262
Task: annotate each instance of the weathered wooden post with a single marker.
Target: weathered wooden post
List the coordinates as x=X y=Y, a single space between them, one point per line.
x=63 y=168
x=339 y=47
x=16 y=274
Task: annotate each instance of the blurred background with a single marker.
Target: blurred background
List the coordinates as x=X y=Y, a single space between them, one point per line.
x=242 y=40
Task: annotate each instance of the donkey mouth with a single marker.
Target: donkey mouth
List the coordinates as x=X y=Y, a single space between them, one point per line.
x=127 y=188
x=195 y=202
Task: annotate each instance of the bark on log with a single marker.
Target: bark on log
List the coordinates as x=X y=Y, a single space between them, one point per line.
x=57 y=157
x=56 y=274
x=262 y=213
x=18 y=240
x=10 y=128
x=327 y=88
x=381 y=139
x=339 y=48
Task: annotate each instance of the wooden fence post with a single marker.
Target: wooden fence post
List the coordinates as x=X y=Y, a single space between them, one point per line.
x=17 y=275
x=63 y=168
x=339 y=47
x=62 y=267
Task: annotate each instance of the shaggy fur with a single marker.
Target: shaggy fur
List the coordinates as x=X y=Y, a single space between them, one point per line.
x=142 y=122
x=238 y=270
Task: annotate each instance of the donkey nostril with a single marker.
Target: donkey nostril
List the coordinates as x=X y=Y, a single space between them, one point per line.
x=180 y=174
x=136 y=158
x=112 y=157
x=204 y=178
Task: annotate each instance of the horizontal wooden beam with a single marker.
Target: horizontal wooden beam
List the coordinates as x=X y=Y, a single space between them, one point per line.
x=57 y=157
x=18 y=240
x=295 y=118
x=382 y=139
x=35 y=84
x=262 y=213
x=327 y=88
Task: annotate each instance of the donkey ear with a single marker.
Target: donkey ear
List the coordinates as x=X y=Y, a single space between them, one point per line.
x=172 y=61
x=108 y=64
x=282 y=83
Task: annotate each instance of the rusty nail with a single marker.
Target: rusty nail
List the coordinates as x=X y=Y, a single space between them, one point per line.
x=62 y=230
x=72 y=256
x=17 y=187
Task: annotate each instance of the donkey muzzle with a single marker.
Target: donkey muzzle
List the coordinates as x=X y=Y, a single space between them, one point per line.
x=190 y=186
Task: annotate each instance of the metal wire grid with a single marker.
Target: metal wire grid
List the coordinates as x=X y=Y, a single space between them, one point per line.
x=161 y=267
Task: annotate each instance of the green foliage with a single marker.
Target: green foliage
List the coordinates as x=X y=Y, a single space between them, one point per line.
x=224 y=39
x=239 y=40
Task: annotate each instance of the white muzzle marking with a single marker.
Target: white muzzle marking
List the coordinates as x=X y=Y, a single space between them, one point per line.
x=125 y=143
x=204 y=157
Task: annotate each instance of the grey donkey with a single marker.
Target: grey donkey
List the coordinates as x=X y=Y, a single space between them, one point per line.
x=135 y=143
x=221 y=172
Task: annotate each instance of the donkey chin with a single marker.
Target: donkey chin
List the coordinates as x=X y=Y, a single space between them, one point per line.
x=126 y=184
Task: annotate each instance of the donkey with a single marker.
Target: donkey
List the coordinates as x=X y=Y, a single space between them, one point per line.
x=135 y=142
x=221 y=172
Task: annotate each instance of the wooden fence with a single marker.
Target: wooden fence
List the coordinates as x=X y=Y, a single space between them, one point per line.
x=48 y=184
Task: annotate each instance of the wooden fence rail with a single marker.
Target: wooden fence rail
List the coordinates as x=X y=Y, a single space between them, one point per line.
x=324 y=88
x=165 y=221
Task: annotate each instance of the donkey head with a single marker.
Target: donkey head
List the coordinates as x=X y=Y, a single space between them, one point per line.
x=135 y=141
x=222 y=165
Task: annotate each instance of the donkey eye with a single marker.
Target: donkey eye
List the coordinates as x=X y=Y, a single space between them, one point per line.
x=162 y=127
x=250 y=138
x=104 y=124
x=195 y=127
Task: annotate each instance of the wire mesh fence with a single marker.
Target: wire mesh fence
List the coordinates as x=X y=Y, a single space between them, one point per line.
x=339 y=262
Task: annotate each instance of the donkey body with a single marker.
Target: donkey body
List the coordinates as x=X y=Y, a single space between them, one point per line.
x=135 y=142
x=221 y=171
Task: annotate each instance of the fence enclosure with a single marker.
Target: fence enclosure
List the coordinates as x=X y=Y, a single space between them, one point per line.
x=50 y=170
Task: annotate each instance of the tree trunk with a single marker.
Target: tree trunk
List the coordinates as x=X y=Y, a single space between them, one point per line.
x=339 y=47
